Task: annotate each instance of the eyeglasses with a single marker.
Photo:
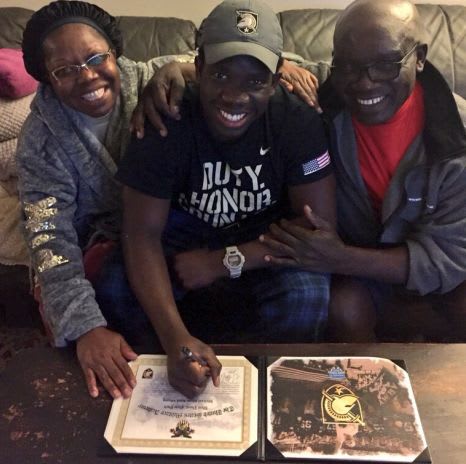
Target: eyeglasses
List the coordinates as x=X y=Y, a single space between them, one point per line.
x=70 y=72
x=378 y=71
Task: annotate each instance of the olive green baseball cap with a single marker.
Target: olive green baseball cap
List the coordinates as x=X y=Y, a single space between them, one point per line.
x=242 y=27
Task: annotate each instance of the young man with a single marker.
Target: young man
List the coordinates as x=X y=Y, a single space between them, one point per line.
x=243 y=155
x=399 y=149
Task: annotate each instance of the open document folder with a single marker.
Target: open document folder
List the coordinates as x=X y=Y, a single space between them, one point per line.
x=348 y=409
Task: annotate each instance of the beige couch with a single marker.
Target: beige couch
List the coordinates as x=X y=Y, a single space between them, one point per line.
x=307 y=33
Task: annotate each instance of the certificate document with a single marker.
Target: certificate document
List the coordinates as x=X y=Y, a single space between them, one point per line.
x=157 y=419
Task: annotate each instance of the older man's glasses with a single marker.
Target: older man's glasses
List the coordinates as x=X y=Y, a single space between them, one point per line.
x=71 y=72
x=378 y=71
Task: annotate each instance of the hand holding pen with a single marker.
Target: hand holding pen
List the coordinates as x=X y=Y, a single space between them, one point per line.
x=190 y=356
x=208 y=363
x=191 y=365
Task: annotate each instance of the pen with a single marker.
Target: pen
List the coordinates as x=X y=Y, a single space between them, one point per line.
x=189 y=355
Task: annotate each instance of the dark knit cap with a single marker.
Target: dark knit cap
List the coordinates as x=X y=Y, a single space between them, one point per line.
x=56 y=14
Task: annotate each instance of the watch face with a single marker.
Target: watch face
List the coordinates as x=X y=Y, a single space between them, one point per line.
x=234 y=260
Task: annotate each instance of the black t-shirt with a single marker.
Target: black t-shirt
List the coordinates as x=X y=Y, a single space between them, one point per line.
x=227 y=183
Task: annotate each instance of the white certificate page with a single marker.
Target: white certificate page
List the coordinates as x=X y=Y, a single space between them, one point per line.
x=158 y=419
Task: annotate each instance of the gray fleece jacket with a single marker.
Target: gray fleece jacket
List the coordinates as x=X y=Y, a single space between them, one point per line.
x=69 y=196
x=425 y=204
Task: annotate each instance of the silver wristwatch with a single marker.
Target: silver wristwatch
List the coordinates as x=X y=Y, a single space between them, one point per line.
x=233 y=261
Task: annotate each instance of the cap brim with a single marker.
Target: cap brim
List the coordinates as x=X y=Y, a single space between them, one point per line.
x=214 y=53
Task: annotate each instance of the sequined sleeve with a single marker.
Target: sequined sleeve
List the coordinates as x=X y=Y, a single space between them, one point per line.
x=49 y=187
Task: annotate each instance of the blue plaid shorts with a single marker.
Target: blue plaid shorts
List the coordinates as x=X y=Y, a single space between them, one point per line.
x=270 y=305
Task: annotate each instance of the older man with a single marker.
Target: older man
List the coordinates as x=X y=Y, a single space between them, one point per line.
x=399 y=150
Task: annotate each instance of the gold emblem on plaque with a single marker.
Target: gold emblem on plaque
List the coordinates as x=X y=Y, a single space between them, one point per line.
x=340 y=406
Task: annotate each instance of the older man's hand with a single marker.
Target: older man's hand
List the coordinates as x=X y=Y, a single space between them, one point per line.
x=317 y=248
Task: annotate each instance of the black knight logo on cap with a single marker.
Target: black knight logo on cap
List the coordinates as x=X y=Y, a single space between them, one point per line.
x=232 y=28
x=246 y=21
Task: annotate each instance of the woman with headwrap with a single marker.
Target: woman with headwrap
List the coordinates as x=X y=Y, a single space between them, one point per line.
x=67 y=156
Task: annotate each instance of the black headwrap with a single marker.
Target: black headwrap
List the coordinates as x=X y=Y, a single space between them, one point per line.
x=56 y=14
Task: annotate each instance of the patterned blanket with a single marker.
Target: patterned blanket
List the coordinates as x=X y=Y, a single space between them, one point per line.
x=12 y=245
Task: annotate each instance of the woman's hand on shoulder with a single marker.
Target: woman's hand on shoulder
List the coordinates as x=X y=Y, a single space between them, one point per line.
x=301 y=82
x=104 y=355
x=162 y=95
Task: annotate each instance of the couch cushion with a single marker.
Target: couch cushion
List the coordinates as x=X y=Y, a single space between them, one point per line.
x=145 y=38
x=445 y=27
x=12 y=23
x=309 y=33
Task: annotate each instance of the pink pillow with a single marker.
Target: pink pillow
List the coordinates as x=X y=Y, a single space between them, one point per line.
x=15 y=82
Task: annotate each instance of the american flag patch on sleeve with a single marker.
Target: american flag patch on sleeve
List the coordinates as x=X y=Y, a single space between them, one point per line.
x=316 y=164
